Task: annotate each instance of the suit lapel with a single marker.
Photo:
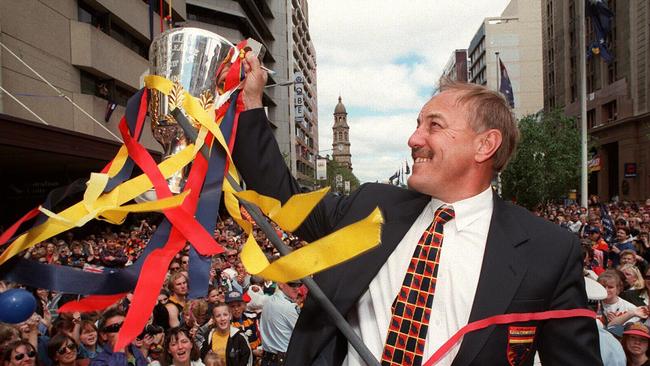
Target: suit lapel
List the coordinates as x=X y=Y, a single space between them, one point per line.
x=347 y=282
x=398 y=221
x=501 y=273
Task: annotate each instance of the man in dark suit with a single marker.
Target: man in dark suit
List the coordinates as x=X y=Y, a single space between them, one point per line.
x=496 y=258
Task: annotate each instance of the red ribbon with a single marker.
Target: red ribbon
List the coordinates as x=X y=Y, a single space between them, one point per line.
x=505 y=319
x=90 y=303
x=180 y=219
x=4 y=238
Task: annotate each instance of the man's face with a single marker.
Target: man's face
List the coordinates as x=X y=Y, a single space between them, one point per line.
x=237 y=309
x=231 y=256
x=110 y=330
x=442 y=148
x=621 y=235
x=290 y=289
x=180 y=286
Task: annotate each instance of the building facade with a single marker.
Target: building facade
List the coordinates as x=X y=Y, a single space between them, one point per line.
x=96 y=50
x=304 y=101
x=618 y=98
x=456 y=67
x=515 y=38
x=341 y=137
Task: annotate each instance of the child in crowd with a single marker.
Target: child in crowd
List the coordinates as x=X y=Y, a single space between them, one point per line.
x=616 y=311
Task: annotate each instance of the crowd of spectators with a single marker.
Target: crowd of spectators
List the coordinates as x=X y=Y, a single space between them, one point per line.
x=222 y=328
x=245 y=320
x=616 y=252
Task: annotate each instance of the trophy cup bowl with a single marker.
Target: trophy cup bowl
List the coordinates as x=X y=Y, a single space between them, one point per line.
x=196 y=61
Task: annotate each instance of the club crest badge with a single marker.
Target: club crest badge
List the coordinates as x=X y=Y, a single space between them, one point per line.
x=520 y=344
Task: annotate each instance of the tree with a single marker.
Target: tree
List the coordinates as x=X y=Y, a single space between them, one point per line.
x=333 y=169
x=547 y=162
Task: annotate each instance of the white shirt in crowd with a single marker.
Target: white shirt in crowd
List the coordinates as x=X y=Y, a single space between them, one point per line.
x=619 y=307
x=458 y=273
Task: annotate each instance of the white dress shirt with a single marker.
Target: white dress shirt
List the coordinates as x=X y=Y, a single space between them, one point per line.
x=458 y=274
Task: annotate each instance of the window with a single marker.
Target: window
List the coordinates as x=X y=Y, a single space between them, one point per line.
x=609 y=111
x=104 y=88
x=210 y=16
x=591 y=75
x=591 y=118
x=611 y=72
x=101 y=19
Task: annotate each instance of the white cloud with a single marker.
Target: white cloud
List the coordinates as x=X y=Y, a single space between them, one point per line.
x=384 y=58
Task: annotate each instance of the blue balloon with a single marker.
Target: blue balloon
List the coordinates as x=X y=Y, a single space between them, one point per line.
x=16 y=306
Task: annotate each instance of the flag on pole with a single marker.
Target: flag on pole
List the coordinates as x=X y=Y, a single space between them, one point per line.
x=392 y=177
x=609 y=232
x=506 y=86
x=601 y=21
x=110 y=108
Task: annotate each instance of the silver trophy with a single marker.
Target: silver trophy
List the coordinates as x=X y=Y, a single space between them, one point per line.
x=197 y=62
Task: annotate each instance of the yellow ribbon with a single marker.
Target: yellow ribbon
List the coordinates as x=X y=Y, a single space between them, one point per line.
x=322 y=254
x=108 y=204
x=192 y=106
x=118 y=161
x=294 y=211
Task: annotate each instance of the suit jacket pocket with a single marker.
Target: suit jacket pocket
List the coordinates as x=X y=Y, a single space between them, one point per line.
x=520 y=336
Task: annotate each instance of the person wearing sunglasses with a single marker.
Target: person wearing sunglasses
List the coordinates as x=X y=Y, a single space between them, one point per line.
x=174 y=266
x=20 y=353
x=62 y=350
x=109 y=326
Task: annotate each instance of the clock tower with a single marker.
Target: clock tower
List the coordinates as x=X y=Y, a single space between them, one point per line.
x=341 y=138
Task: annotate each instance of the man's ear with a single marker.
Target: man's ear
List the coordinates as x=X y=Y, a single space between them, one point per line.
x=487 y=144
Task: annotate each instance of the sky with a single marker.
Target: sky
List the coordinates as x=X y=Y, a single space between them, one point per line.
x=384 y=59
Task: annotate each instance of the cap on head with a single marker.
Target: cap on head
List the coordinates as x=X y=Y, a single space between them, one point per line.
x=233 y=296
x=637 y=329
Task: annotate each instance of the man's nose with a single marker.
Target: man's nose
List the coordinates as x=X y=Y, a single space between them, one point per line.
x=416 y=139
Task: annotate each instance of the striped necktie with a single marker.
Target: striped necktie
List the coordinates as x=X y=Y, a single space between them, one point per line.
x=408 y=327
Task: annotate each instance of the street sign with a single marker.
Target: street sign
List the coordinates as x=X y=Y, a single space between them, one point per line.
x=298 y=98
x=321 y=168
